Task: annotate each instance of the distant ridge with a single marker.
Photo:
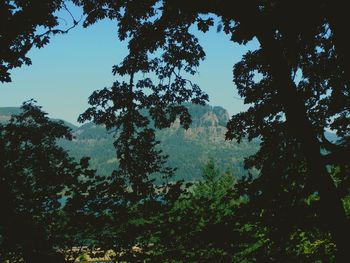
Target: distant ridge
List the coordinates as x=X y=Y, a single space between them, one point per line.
x=188 y=150
x=6 y=112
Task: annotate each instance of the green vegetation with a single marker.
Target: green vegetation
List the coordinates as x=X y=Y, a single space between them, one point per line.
x=36 y=176
x=188 y=150
x=296 y=84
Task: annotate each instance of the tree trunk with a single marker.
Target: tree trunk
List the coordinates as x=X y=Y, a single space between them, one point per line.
x=337 y=14
x=299 y=125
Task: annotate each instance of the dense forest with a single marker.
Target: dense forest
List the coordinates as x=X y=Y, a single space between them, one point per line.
x=287 y=201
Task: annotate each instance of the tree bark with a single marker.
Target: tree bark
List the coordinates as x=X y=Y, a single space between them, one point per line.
x=299 y=125
x=337 y=14
x=333 y=212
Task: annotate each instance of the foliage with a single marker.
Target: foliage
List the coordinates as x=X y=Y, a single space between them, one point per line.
x=288 y=114
x=202 y=225
x=204 y=139
x=297 y=86
x=26 y=24
x=40 y=186
x=292 y=135
x=192 y=228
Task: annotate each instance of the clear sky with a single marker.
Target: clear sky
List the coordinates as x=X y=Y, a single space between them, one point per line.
x=66 y=71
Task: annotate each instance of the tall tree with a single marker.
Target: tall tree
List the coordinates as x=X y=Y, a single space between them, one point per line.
x=294 y=99
x=39 y=187
x=297 y=83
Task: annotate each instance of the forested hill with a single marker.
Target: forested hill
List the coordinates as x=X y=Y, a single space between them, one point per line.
x=188 y=150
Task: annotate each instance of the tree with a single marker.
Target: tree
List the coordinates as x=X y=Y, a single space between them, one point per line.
x=297 y=83
x=294 y=38
x=292 y=113
x=23 y=25
x=39 y=187
x=131 y=198
x=198 y=226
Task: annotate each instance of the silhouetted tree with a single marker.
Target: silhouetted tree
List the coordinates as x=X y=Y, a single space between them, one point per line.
x=202 y=225
x=295 y=80
x=42 y=189
x=131 y=196
x=23 y=25
x=297 y=83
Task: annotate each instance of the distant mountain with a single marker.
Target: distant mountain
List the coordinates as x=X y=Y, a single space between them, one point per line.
x=6 y=112
x=188 y=150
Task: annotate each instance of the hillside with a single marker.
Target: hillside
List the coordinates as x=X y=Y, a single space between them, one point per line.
x=188 y=150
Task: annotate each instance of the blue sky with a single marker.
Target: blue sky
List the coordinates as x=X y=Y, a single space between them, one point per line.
x=65 y=72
